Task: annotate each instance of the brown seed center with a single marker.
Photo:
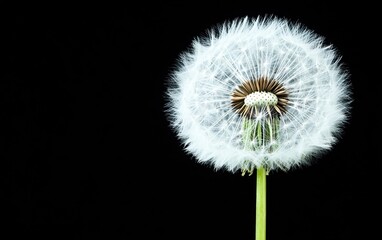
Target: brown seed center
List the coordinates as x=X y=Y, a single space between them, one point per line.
x=253 y=96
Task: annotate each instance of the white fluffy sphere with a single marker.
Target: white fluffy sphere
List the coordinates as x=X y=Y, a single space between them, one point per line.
x=201 y=89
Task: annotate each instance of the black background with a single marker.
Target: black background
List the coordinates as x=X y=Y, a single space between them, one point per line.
x=86 y=151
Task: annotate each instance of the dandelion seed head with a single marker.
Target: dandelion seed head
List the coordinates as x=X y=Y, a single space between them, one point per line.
x=265 y=71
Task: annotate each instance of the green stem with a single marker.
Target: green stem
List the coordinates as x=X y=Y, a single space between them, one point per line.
x=261 y=191
x=263 y=133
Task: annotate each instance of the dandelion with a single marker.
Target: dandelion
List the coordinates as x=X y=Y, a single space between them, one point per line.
x=259 y=94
